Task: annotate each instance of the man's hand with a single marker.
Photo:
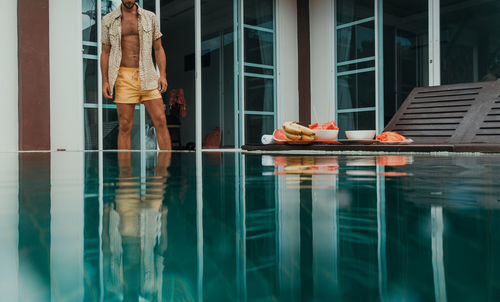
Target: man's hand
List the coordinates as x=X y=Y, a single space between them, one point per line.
x=162 y=84
x=106 y=90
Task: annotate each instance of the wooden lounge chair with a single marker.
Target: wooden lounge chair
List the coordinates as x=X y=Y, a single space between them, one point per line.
x=451 y=114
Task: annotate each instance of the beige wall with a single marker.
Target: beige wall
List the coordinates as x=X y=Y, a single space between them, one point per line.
x=322 y=81
x=288 y=92
x=66 y=75
x=8 y=78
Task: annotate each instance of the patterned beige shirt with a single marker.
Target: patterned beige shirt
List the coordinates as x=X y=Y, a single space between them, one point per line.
x=149 y=31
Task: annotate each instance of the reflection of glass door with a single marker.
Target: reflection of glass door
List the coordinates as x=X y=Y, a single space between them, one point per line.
x=256 y=230
x=257 y=82
x=356 y=64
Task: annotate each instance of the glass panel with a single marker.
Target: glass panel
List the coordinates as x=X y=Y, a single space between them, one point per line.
x=356 y=121
x=218 y=74
x=108 y=6
x=111 y=127
x=89 y=23
x=90 y=50
x=177 y=26
x=256 y=126
x=356 y=90
x=259 y=47
x=406 y=51
x=257 y=70
x=151 y=139
x=470 y=41
x=356 y=42
x=91 y=129
x=356 y=66
x=149 y=5
x=90 y=70
x=259 y=94
x=259 y=13
x=353 y=10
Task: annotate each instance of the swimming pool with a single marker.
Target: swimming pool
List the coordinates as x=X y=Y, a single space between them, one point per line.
x=248 y=227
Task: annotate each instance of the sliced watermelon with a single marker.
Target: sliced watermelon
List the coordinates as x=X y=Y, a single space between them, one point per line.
x=314 y=126
x=329 y=126
x=279 y=135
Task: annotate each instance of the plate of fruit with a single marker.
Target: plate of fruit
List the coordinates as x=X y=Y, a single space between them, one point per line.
x=393 y=138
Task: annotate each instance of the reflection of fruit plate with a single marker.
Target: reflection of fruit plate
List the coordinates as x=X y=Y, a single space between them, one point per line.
x=406 y=142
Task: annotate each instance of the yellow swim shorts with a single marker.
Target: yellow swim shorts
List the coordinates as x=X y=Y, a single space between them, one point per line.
x=128 y=88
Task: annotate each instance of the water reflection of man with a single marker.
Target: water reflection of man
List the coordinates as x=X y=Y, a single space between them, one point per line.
x=136 y=229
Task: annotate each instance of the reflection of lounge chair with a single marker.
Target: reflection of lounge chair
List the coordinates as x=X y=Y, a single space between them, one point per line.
x=460 y=114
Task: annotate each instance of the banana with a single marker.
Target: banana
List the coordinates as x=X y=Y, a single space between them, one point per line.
x=292 y=137
x=290 y=127
x=308 y=138
x=305 y=130
x=294 y=128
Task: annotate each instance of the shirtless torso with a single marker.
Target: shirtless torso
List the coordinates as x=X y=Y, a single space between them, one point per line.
x=130 y=40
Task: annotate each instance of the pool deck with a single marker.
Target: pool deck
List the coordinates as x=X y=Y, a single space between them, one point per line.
x=425 y=148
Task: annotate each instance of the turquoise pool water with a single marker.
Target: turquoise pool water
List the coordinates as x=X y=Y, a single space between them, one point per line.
x=235 y=227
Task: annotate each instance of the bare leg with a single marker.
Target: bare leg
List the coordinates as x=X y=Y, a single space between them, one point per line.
x=163 y=162
x=126 y=120
x=125 y=164
x=156 y=111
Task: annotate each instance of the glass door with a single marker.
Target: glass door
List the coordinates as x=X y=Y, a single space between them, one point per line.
x=100 y=116
x=217 y=60
x=356 y=65
x=470 y=41
x=238 y=74
x=406 y=51
x=257 y=67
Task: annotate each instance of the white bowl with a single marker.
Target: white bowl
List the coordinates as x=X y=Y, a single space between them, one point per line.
x=360 y=134
x=326 y=135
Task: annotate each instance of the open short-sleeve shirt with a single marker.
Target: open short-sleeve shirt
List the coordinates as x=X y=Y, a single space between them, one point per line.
x=149 y=31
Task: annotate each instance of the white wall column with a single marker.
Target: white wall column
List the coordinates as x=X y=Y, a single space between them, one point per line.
x=287 y=58
x=66 y=226
x=66 y=75
x=322 y=60
x=434 y=43
x=9 y=78
x=9 y=222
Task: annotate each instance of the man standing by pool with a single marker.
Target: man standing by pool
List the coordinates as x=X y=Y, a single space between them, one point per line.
x=128 y=36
